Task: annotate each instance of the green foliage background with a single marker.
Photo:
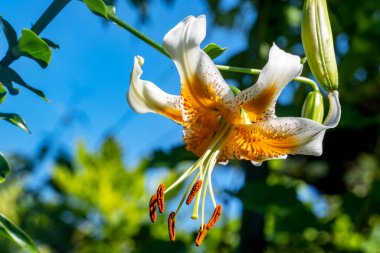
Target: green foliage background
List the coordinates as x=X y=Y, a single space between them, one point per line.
x=96 y=204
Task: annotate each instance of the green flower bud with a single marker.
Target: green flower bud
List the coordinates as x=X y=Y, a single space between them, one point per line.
x=317 y=39
x=313 y=106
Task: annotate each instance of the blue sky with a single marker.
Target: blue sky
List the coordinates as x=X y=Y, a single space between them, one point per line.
x=89 y=76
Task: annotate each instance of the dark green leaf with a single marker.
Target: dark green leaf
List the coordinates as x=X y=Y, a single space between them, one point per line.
x=213 y=50
x=12 y=90
x=51 y=43
x=16 y=120
x=3 y=93
x=32 y=46
x=97 y=6
x=9 y=32
x=17 y=235
x=4 y=168
x=8 y=75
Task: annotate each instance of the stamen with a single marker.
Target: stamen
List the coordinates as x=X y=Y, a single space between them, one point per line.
x=201 y=235
x=152 y=208
x=215 y=216
x=194 y=191
x=161 y=198
x=171 y=226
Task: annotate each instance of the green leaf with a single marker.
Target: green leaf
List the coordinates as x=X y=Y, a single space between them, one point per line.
x=4 y=168
x=11 y=88
x=9 y=32
x=3 y=93
x=213 y=50
x=51 y=43
x=8 y=75
x=98 y=7
x=32 y=46
x=15 y=119
x=17 y=235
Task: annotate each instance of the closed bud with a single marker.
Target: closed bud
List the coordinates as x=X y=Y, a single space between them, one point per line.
x=317 y=39
x=313 y=106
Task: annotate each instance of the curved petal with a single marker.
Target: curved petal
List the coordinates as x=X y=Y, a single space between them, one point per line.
x=144 y=96
x=259 y=100
x=276 y=137
x=202 y=84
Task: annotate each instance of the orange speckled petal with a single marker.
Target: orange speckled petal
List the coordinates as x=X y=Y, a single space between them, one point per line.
x=259 y=100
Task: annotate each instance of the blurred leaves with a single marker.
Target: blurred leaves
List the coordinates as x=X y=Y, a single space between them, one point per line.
x=10 y=230
x=32 y=46
x=16 y=120
x=4 y=168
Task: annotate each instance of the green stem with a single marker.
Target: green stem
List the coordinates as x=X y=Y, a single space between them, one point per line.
x=50 y=13
x=300 y=79
x=137 y=33
x=159 y=48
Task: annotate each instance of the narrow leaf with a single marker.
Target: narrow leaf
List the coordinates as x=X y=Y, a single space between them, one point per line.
x=16 y=120
x=213 y=50
x=9 y=32
x=51 y=43
x=9 y=75
x=3 y=93
x=17 y=235
x=32 y=46
x=4 y=168
x=97 y=6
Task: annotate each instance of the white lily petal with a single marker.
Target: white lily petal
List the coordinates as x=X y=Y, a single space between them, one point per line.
x=259 y=100
x=201 y=81
x=144 y=96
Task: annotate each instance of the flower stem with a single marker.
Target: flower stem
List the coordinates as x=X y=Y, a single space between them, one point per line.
x=138 y=34
x=300 y=79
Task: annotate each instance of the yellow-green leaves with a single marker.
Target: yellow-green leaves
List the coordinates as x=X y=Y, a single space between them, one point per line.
x=317 y=40
x=313 y=106
x=32 y=46
x=15 y=119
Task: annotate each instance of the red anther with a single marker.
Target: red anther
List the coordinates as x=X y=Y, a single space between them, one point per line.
x=201 y=235
x=215 y=216
x=161 y=198
x=194 y=191
x=152 y=208
x=171 y=226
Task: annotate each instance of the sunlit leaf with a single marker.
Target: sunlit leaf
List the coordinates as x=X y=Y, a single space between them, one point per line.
x=32 y=46
x=4 y=168
x=9 y=32
x=16 y=120
x=8 y=75
x=213 y=50
x=97 y=6
x=3 y=93
x=17 y=235
x=51 y=43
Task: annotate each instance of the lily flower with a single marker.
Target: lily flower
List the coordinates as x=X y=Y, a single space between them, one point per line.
x=217 y=124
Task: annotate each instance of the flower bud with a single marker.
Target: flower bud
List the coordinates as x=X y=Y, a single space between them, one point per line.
x=317 y=39
x=313 y=106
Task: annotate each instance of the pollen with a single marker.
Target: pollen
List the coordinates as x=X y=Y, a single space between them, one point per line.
x=215 y=216
x=194 y=191
x=152 y=208
x=171 y=226
x=161 y=198
x=201 y=235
